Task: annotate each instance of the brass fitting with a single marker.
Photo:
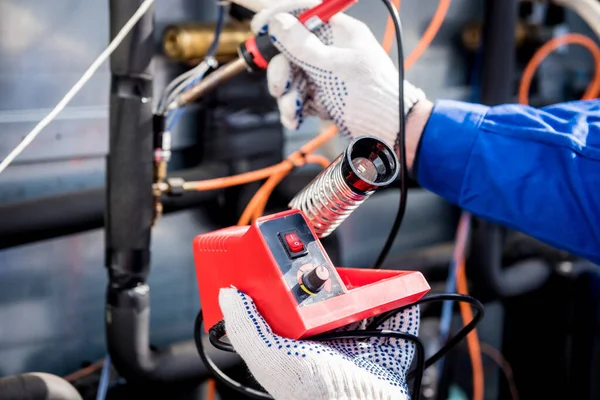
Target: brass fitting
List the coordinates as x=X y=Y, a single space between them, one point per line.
x=160 y=174
x=190 y=42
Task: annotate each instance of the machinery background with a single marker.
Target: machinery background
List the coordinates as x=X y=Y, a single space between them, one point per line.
x=52 y=291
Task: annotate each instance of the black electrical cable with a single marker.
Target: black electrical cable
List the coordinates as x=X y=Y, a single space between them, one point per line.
x=216 y=332
x=419 y=352
x=212 y=50
x=216 y=371
x=400 y=144
x=480 y=311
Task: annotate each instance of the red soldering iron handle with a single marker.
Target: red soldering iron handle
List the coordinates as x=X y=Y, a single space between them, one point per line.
x=258 y=51
x=317 y=16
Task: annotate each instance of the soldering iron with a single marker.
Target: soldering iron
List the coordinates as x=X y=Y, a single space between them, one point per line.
x=257 y=51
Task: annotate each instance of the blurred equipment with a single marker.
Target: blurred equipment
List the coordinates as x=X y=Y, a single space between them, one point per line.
x=191 y=42
x=37 y=386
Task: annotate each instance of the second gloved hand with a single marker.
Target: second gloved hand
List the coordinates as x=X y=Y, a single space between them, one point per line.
x=339 y=73
x=373 y=369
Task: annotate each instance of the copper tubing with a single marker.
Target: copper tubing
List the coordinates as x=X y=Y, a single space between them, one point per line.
x=210 y=82
x=191 y=41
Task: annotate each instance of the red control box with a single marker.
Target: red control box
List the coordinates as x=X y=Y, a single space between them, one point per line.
x=281 y=264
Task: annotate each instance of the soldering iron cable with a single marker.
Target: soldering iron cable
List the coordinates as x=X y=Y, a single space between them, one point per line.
x=114 y=44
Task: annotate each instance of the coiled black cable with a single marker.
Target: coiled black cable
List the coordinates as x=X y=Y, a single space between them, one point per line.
x=218 y=331
x=216 y=341
x=400 y=144
x=480 y=312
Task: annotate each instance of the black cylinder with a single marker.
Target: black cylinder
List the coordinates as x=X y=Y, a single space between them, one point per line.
x=499 y=51
x=128 y=341
x=499 y=63
x=129 y=168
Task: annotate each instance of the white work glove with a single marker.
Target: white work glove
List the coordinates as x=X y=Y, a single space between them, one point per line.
x=371 y=369
x=339 y=73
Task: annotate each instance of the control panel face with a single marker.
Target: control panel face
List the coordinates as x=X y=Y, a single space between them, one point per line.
x=304 y=266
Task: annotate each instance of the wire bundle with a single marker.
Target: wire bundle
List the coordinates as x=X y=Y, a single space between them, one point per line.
x=217 y=332
x=188 y=79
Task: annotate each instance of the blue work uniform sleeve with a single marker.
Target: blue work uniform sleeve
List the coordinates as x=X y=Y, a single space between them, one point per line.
x=533 y=170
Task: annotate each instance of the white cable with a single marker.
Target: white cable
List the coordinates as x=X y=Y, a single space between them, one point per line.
x=588 y=10
x=179 y=84
x=144 y=7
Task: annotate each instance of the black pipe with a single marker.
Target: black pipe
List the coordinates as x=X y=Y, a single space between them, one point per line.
x=129 y=167
x=127 y=338
x=499 y=51
x=37 y=386
x=499 y=63
x=129 y=213
x=54 y=216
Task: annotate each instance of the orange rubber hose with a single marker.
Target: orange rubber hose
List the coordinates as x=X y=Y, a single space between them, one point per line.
x=432 y=30
x=472 y=338
x=211 y=390
x=570 y=38
x=257 y=204
x=277 y=173
x=310 y=159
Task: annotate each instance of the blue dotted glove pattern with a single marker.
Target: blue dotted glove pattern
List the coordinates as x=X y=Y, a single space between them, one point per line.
x=387 y=359
x=321 y=88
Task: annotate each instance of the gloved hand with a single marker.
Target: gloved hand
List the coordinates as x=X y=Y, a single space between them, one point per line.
x=373 y=369
x=340 y=73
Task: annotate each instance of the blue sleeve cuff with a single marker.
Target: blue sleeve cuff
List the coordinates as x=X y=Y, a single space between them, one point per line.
x=446 y=145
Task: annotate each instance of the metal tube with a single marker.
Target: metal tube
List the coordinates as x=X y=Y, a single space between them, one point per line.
x=191 y=41
x=129 y=214
x=366 y=165
x=209 y=83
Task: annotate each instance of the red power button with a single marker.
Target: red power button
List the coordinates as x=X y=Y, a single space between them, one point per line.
x=293 y=242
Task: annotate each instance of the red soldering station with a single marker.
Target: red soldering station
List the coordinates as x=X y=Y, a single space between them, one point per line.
x=281 y=264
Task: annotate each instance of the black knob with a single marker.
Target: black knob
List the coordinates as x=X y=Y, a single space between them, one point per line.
x=314 y=279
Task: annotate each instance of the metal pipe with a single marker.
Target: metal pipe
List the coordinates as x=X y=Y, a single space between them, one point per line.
x=366 y=165
x=209 y=83
x=65 y=214
x=130 y=211
x=191 y=41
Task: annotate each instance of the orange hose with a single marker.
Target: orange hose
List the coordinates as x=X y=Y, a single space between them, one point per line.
x=276 y=173
x=211 y=390
x=543 y=52
x=432 y=30
x=83 y=372
x=472 y=337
